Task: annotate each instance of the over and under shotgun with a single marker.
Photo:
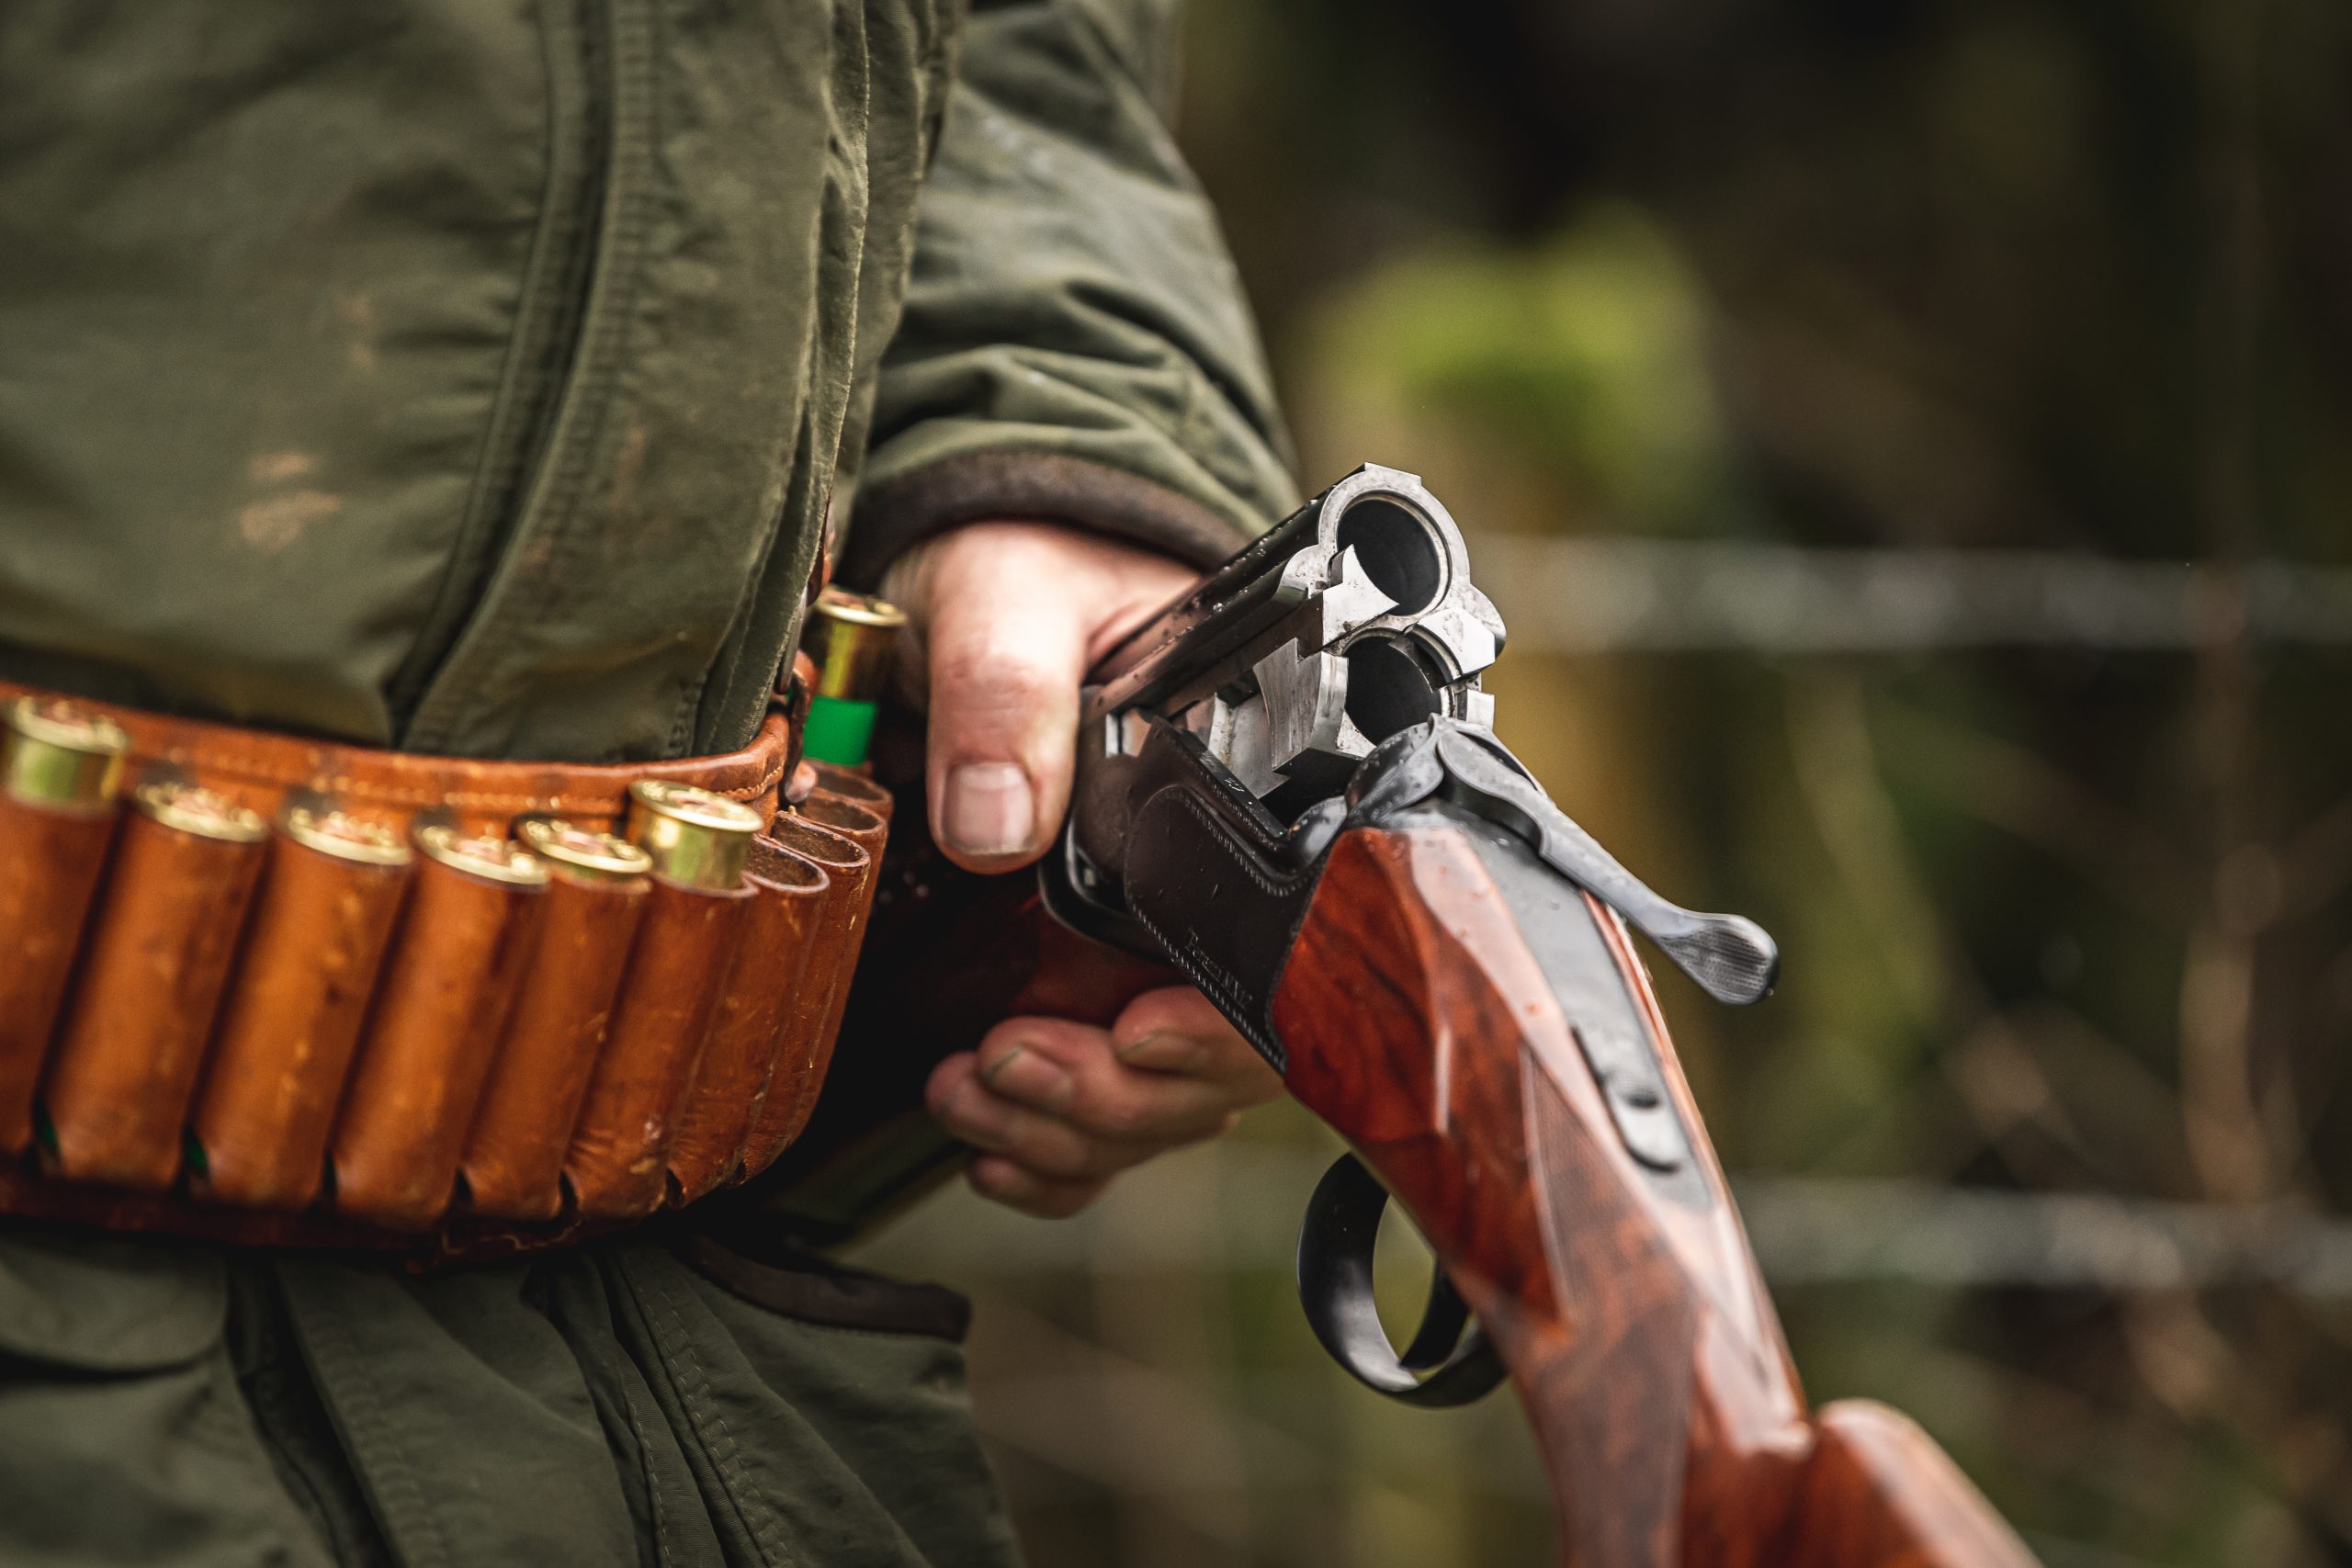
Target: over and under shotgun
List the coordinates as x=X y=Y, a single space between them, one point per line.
x=1288 y=790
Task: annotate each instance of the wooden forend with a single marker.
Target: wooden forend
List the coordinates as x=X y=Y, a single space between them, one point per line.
x=1631 y=1316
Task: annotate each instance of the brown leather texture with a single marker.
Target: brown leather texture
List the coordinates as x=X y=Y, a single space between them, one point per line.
x=857 y=788
x=741 y=1054
x=813 y=1019
x=621 y=1147
x=438 y=1016
x=45 y=878
x=514 y=1162
x=318 y=940
x=838 y=814
x=258 y=769
x=261 y=1043
x=160 y=950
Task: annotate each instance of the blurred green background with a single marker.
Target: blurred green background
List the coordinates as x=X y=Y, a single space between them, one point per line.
x=1911 y=445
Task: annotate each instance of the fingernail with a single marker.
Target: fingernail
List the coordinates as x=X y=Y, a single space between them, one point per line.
x=1165 y=1050
x=1024 y=1075
x=989 y=809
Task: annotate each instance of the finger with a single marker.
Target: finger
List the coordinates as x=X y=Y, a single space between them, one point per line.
x=1177 y=1029
x=993 y=1177
x=1067 y=1071
x=1034 y=1140
x=1007 y=643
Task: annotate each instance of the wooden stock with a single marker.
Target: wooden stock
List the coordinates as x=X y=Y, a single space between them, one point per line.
x=1628 y=1310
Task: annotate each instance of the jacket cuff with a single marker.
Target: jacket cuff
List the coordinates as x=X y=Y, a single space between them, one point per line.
x=1032 y=487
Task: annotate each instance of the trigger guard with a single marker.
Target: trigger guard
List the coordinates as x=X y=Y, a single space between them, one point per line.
x=1449 y=1361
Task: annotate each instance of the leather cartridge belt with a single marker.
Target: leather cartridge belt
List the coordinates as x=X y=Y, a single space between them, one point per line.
x=287 y=992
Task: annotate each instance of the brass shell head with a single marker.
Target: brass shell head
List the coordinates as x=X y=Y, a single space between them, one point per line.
x=486 y=855
x=56 y=754
x=335 y=832
x=192 y=808
x=582 y=853
x=850 y=636
x=695 y=838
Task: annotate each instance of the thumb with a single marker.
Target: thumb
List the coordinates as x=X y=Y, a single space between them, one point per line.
x=1007 y=646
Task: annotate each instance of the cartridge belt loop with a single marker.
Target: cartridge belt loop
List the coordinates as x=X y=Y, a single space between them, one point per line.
x=290 y=992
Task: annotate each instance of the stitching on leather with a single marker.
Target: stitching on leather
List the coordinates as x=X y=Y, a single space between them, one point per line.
x=343 y=786
x=222 y=752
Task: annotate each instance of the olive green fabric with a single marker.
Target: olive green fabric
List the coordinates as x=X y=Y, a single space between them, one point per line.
x=1073 y=322
x=480 y=376
x=161 y=1404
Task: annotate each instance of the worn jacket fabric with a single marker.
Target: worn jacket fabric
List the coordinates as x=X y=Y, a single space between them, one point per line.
x=654 y=1401
x=479 y=376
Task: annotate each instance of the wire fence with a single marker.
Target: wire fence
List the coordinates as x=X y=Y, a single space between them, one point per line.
x=1601 y=595
x=1142 y=1374
x=1233 y=1208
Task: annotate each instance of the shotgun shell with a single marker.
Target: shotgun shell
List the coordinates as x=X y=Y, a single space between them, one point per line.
x=850 y=637
x=337 y=833
x=306 y=973
x=159 y=953
x=692 y=837
x=487 y=856
x=57 y=754
x=192 y=808
x=58 y=774
x=582 y=853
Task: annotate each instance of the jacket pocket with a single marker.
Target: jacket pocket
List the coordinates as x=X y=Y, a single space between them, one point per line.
x=124 y=1437
x=99 y=1303
x=829 y=1408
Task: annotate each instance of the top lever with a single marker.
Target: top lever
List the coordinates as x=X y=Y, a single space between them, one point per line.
x=1732 y=958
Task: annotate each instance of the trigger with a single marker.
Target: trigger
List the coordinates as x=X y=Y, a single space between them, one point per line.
x=1449 y=1361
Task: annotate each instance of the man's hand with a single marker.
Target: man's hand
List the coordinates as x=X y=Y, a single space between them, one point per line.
x=1007 y=619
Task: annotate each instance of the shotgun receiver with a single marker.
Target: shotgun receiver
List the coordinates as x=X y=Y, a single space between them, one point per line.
x=1288 y=790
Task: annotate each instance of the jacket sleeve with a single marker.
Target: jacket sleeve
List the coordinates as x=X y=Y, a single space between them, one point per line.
x=1074 y=346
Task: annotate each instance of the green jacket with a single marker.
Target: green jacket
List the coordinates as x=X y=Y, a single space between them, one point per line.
x=479 y=376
